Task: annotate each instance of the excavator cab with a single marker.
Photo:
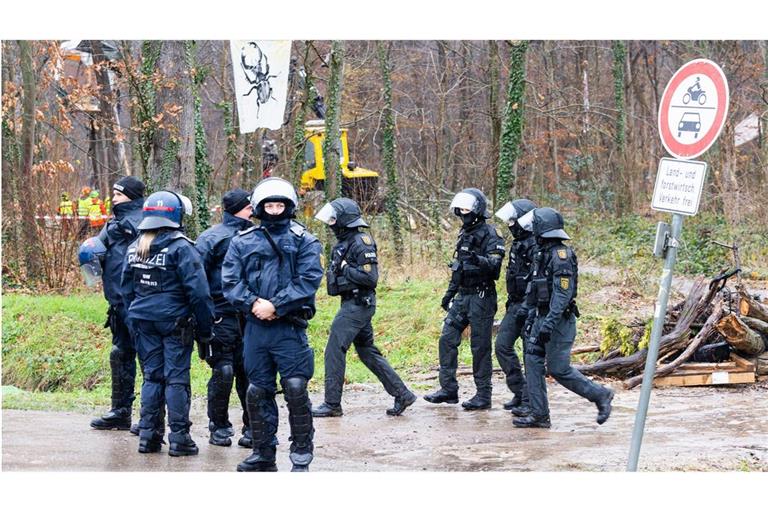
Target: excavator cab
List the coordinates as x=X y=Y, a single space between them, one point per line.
x=357 y=183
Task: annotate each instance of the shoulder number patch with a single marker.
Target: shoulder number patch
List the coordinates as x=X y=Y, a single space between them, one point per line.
x=565 y=283
x=562 y=253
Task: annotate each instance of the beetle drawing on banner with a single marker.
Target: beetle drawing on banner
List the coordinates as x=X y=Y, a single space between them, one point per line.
x=255 y=66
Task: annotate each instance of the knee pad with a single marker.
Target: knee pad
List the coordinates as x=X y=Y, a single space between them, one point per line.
x=116 y=355
x=255 y=394
x=224 y=373
x=295 y=388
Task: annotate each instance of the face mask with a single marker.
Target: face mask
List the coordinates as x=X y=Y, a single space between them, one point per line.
x=469 y=219
x=517 y=231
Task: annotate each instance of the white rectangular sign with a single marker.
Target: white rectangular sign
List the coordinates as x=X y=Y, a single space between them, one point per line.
x=678 y=186
x=260 y=70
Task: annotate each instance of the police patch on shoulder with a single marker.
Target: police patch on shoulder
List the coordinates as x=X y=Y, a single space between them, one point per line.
x=367 y=240
x=565 y=283
x=562 y=253
x=367 y=267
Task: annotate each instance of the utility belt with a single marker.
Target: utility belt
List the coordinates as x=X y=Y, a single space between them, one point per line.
x=360 y=297
x=572 y=308
x=481 y=289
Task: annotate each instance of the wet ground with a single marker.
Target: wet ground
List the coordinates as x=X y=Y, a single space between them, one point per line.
x=707 y=428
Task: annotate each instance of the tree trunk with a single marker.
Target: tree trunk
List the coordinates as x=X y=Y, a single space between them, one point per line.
x=750 y=307
x=493 y=108
x=514 y=117
x=173 y=148
x=740 y=336
x=388 y=149
x=29 y=192
x=109 y=124
x=331 y=156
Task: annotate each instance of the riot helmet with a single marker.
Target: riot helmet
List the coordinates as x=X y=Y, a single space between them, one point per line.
x=473 y=200
x=274 y=190
x=342 y=212
x=89 y=256
x=164 y=209
x=511 y=213
x=548 y=223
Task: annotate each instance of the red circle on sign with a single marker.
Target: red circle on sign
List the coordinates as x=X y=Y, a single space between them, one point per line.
x=714 y=73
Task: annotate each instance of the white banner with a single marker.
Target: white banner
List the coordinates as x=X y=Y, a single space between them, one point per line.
x=261 y=70
x=747 y=130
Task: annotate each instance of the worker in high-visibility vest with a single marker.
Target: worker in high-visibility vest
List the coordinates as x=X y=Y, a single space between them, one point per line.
x=66 y=207
x=97 y=213
x=84 y=203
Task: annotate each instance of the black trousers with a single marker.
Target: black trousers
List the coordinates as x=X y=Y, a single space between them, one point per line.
x=352 y=325
x=477 y=311
x=225 y=358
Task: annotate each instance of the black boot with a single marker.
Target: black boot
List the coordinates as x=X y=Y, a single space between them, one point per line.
x=262 y=460
x=442 y=396
x=532 y=421
x=263 y=456
x=402 y=403
x=116 y=419
x=604 y=407
x=326 y=410
x=300 y=420
x=151 y=442
x=521 y=410
x=246 y=441
x=516 y=401
x=134 y=429
x=477 y=403
x=181 y=444
x=220 y=437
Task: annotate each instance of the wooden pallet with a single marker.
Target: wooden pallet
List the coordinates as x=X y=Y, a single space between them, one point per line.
x=736 y=371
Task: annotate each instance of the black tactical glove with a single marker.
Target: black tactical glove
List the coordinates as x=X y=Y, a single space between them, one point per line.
x=521 y=317
x=544 y=337
x=446 y=302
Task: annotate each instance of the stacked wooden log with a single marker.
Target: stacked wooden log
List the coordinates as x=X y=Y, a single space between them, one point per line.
x=710 y=314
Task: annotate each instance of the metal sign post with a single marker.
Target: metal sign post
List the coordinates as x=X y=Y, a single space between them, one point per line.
x=653 y=347
x=692 y=113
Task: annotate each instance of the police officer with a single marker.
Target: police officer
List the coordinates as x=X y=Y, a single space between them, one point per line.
x=119 y=232
x=552 y=292
x=470 y=300
x=518 y=270
x=167 y=297
x=271 y=274
x=353 y=275
x=224 y=354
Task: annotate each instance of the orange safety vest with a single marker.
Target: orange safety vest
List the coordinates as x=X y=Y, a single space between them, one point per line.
x=95 y=214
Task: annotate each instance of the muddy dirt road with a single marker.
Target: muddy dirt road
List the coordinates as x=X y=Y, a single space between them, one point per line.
x=723 y=428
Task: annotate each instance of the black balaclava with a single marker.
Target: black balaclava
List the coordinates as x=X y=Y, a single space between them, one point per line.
x=342 y=232
x=469 y=219
x=272 y=222
x=518 y=233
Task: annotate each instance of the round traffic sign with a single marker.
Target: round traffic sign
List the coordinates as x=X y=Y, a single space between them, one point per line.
x=693 y=108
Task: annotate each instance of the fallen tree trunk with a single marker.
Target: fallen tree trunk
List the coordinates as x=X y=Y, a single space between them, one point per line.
x=750 y=307
x=756 y=325
x=697 y=302
x=704 y=333
x=740 y=336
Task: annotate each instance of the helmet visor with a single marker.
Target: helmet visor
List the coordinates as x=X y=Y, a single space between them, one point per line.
x=274 y=187
x=463 y=201
x=526 y=221
x=327 y=214
x=507 y=213
x=91 y=272
x=187 y=204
